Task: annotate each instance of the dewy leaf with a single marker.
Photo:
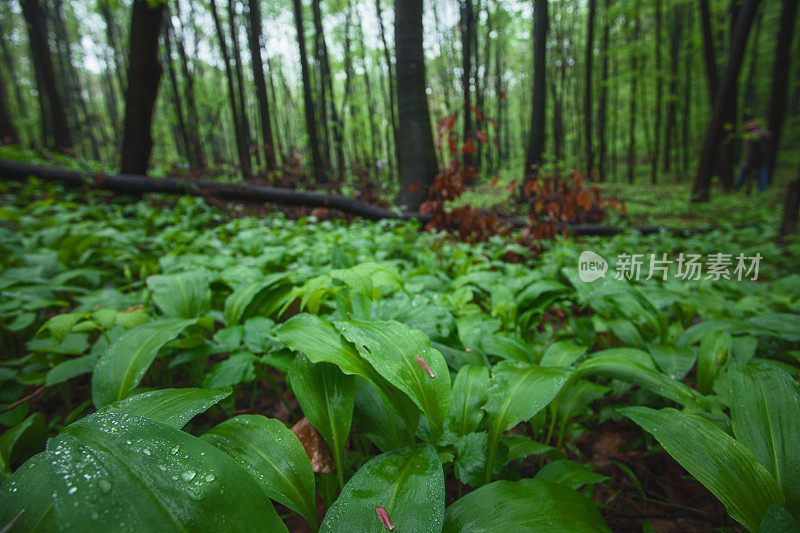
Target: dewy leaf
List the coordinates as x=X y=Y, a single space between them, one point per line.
x=716 y=459
x=778 y=520
x=114 y=471
x=525 y=505
x=765 y=414
x=171 y=407
x=468 y=396
x=570 y=474
x=392 y=349
x=518 y=391
x=562 y=353
x=408 y=484
x=183 y=295
x=637 y=367
x=326 y=397
x=321 y=343
x=262 y=295
x=273 y=456
x=124 y=364
x=715 y=348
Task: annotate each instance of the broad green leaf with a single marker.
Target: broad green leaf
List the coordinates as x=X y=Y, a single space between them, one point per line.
x=765 y=414
x=520 y=446
x=30 y=488
x=778 y=520
x=401 y=354
x=259 y=296
x=674 y=361
x=525 y=505
x=715 y=348
x=122 y=367
x=29 y=435
x=407 y=483
x=470 y=462
x=518 y=391
x=274 y=457
x=468 y=396
x=636 y=366
x=113 y=471
x=171 y=407
x=70 y=368
x=570 y=474
x=326 y=397
x=183 y=295
x=576 y=397
x=236 y=369
x=321 y=343
x=562 y=353
x=376 y=420
x=60 y=325
x=715 y=459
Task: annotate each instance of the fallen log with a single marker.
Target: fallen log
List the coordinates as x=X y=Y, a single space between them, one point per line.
x=259 y=195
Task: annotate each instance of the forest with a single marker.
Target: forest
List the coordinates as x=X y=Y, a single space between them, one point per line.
x=400 y=265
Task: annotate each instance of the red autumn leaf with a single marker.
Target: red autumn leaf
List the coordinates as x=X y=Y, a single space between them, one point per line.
x=451 y=144
x=447 y=123
x=503 y=96
x=468 y=147
x=494 y=182
x=482 y=137
x=415 y=186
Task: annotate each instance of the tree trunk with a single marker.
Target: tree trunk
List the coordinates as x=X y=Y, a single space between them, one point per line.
x=634 y=80
x=387 y=56
x=791 y=208
x=308 y=100
x=724 y=99
x=533 y=156
x=659 y=97
x=241 y=143
x=144 y=73
x=54 y=118
x=329 y=98
x=244 y=123
x=781 y=67
x=603 y=104
x=467 y=23
x=670 y=136
x=8 y=133
x=254 y=39
x=196 y=149
x=176 y=93
x=587 y=95
x=417 y=156
x=709 y=53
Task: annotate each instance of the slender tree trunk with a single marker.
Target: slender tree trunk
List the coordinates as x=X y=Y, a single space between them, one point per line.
x=241 y=142
x=659 y=98
x=54 y=118
x=603 y=104
x=587 y=95
x=688 y=78
x=533 y=156
x=724 y=99
x=373 y=132
x=467 y=80
x=749 y=100
x=727 y=151
x=328 y=96
x=176 y=93
x=144 y=74
x=114 y=42
x=709 y=53
x=678 y=20
x=781 y=67
x=8 y=133
x=445 y=71
x=254 y=35
x=418 y=157
x=308 y=100
x=196 y=149
x=634 y=80
x=791 y=207
x=8 y=60
x=387 y=56
x=244 y=123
